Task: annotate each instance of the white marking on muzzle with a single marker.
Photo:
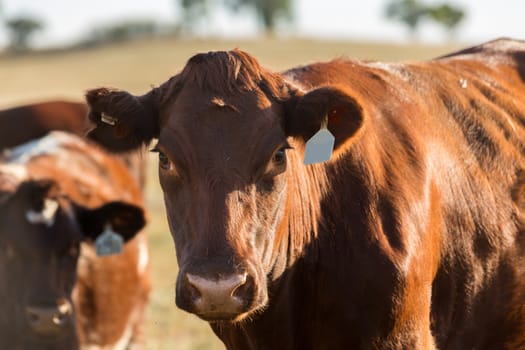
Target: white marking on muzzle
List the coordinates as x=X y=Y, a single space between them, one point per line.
x=16 y=171
x=223 y=288
x=46 y=216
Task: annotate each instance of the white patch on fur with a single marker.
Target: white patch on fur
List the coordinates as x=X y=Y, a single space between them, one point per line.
x=49 y=144
x=46 y=216
x=506 y=45
x=143 y=257
x=70 y=155
x=121 y=344
x=396 y=69
x=124 y=341
x=16 y=171
x=11 y=175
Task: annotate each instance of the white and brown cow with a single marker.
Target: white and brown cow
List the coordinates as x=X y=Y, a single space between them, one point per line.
x=57 y=194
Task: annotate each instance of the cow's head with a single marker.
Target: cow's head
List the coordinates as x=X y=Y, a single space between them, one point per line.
x=231 y=138
x=40 y=235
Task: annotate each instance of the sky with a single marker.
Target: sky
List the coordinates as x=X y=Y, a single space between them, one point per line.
x=68 y=20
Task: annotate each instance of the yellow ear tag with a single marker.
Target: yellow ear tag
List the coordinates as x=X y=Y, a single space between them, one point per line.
x=109 y=242
x=319 y=147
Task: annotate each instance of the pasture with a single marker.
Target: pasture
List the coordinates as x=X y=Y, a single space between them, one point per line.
x=135 y=67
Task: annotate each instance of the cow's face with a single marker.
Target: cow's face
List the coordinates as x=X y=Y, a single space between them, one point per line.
x=230 y=148
x=222 y=165
x=40 y=236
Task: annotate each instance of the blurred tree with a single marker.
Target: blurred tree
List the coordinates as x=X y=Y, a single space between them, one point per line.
x=193 y=11
x=267 y=11
x=410 y=12
x=20 y=30
x=413 y=12
x=448 y=16
x=123 y=31
x=126 y=30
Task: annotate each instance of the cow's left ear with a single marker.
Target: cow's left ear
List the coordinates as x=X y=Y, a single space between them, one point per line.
x=125 y=219
x=337 y=105
x=123 y=122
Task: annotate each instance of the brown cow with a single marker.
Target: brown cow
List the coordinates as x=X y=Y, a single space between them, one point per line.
x=410 y=237
x=24 y=123
x=56 y=192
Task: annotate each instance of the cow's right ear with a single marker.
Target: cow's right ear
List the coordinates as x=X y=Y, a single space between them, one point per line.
x=124 y=218
x=341 y=109
x=122 y=121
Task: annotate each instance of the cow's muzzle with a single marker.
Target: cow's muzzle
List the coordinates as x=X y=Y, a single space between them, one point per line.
x=49 y=320
x=223 y=298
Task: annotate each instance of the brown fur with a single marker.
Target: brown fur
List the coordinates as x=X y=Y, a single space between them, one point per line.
x=410 y=237
x=23 y=123
x=109 y=294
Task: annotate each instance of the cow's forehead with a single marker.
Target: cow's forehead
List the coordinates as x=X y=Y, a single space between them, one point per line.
x=206 y=125
x=231 y=80
x=230 y=115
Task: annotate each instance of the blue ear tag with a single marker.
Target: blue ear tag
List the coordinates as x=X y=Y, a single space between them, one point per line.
x=109 y=242
x=319 y=147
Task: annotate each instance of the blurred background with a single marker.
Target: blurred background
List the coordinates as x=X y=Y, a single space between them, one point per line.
x=57 y=49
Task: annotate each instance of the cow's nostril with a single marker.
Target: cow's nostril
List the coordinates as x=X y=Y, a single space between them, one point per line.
x=193 y=291
x=244 y=289
x=241 y=283
x=59 y=319
x=202 y=287
x=33 y=317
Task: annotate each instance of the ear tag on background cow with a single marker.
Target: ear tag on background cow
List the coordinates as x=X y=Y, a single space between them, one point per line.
x=319 y=147
x=108 y=119
x=109 y=242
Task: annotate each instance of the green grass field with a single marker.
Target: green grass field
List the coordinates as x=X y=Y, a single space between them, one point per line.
x=135 y=67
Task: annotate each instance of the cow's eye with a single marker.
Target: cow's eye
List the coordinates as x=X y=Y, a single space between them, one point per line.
x=278 y=162
x=164 y=161
x=279 y=157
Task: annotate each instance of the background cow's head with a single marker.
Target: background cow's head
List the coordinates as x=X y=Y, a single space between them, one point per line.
x=40 y=235
x=231 y=138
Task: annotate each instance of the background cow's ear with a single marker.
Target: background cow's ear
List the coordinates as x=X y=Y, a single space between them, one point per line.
x=125 y=219
x=122 y=121
x=306 y=113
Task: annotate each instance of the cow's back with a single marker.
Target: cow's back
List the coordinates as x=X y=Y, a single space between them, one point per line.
x=27 y=122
